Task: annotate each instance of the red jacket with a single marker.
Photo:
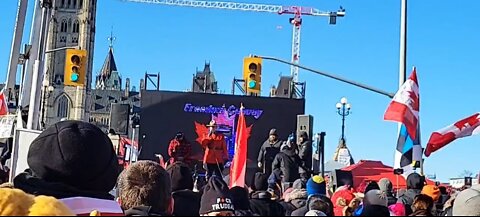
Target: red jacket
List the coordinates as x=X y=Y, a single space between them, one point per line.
x=215 y=149
x=178 y=150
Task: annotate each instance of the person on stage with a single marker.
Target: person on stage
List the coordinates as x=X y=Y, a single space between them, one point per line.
x=305 y=154
x=216 y=154
x=268 y=151
x=180 y=149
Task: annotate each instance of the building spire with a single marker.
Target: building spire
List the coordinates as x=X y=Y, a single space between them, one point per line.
x=111 y=39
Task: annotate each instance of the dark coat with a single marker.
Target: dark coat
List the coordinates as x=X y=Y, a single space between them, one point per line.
x=262 y=204
x=407 y=199
x=186 y=203
x=300 y=211
x=142 y=211
x=415 y=185
x=295 y=200
x=267 y=153
x=305 y=154
x=391 y=199
x=288 y=162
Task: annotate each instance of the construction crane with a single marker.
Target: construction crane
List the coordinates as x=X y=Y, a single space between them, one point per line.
x=296 y=20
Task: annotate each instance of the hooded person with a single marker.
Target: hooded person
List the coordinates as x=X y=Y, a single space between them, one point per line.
x=415 y=183
x=288 y=162
x=14 y=202
x=261 y=202
x=241 y=201
x=342 y=200
x=216 y=199
x=73 y=161
x=269 y=149
x=186 y=201
x=467 y=202
x=294 y=200
x=386 y=187
x=260 y=182
x=375 y=204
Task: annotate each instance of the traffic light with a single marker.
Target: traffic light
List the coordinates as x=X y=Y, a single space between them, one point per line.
x=75 y=67
x=252 y=74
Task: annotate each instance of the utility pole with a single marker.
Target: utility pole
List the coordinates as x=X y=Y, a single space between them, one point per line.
x=38 y=66
x=16 y=44
x=26 y=82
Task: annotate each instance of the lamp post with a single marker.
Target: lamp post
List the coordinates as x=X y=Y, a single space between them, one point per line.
x=343 y=109
x=47 y=91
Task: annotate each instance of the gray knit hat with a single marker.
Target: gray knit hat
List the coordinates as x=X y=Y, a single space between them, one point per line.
x=467 y=202
x=385 y=185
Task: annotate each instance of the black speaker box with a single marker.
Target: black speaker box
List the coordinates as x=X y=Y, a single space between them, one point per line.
x=119 y=117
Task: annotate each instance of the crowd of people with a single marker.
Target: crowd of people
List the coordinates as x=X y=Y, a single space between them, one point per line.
x=73 y=169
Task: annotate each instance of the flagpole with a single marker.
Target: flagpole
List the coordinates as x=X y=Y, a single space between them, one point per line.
x=402 y=73
x=403 y=45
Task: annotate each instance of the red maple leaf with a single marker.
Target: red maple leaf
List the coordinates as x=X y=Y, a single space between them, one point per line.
x=414 y=101
x=471 y=121
x=201 y=130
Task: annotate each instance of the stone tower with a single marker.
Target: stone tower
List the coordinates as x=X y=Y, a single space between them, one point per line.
x=72 y=24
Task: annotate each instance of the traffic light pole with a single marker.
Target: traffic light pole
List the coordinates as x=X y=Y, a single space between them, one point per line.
x=38 y=66
x=363 y=86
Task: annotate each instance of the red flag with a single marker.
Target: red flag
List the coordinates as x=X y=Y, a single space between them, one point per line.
x=405 y=105
x=3 y=104
x=239 y=164
x=441 y=138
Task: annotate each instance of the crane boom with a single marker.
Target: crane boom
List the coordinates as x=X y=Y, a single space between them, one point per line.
x=239 y=6
x=296 y=21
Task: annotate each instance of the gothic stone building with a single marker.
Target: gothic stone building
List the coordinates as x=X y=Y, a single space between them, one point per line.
x=108 y=90
x=72 y=24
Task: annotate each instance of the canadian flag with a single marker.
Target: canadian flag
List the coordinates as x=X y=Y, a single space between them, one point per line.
x=3 y=104
x=405 y=105
x=466 y=127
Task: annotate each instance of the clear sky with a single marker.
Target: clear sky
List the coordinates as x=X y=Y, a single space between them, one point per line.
x=443 y=43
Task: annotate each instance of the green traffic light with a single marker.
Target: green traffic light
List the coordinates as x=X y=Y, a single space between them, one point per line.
x=74 y=77
x=252 y=84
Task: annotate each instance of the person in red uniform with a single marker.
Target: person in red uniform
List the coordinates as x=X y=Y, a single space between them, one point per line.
x=180 y=149
x=215 y=151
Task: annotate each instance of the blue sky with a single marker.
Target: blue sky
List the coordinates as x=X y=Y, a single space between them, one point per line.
x=364 y=46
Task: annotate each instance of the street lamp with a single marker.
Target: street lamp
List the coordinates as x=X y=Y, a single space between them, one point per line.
x=343 y=109
x=47 y=91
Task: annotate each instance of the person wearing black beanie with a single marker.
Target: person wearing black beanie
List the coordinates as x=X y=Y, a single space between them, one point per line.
x=241 y=201
x=70 y=159
x=216 y=199
x=186 y=201
x=260 y=182
x=373 y=185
